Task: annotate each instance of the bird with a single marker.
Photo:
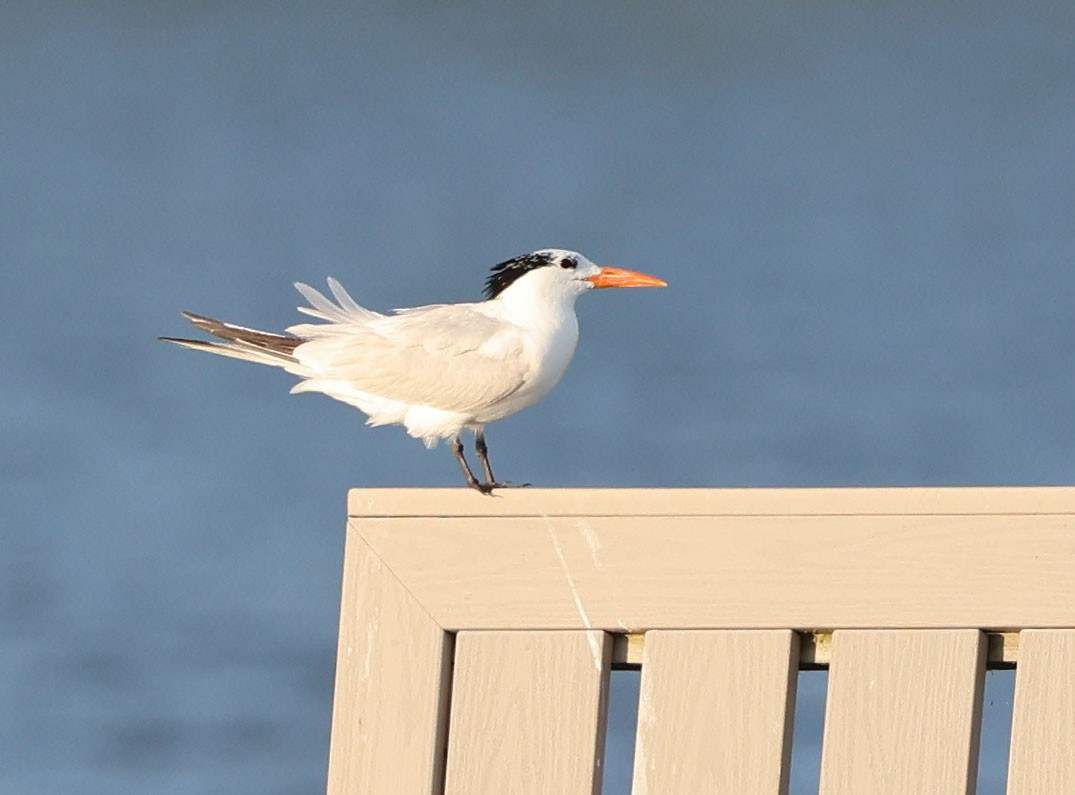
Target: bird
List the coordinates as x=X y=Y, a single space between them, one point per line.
x=437 y=370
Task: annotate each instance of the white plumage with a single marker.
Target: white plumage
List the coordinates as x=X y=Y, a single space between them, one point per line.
x=437 y=370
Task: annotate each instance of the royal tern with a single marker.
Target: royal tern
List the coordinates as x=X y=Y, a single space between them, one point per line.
x=436 y=370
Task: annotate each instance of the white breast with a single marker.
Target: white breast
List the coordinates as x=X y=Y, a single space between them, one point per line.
x=546 y=350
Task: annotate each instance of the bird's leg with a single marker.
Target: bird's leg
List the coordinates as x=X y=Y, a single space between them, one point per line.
x=457 y=451
x=483 y=456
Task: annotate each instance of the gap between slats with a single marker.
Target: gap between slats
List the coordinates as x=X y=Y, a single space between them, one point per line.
x=815 y=650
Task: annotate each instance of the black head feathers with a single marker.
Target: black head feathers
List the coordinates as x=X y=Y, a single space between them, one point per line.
x=504 y=275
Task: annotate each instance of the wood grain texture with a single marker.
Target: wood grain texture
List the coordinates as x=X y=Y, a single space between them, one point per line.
x=528 y=713
x=389 y=716
x=904 y=705
x=710 y=502
x=634 y=573
x=903 y=712
x=1042 y=758
x=715 y=712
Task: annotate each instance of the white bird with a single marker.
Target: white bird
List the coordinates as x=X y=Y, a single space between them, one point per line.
x=436 y=370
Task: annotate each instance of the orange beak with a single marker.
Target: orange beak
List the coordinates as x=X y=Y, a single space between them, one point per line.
x=618 y=277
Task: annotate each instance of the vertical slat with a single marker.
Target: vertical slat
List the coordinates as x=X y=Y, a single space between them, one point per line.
x=389 y=716
x=716 y=712
x=1042 y=758
x=903 y=712
x=528 y=713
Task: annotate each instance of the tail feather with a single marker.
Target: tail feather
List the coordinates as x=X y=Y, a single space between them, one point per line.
x=252 y=345
x=268 y=340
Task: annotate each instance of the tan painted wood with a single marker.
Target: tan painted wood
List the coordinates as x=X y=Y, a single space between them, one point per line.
x=392 y=674
x=630 y=574
x=1003 y=651
x=528 y=713
x=715 y=712
x=903 y=712
x=423 y=563
x=628 y=650
x=1042 y=760
x=710 y=502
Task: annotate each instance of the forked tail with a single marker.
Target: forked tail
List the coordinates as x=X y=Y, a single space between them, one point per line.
x=252 y=345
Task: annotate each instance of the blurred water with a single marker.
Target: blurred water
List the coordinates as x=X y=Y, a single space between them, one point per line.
x=863 y=211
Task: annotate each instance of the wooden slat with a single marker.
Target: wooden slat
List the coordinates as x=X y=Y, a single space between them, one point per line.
x=628 y=561
x=903 y=712
x=1042 y=758
x=389 y=718
x=629 y=574
x=528 y=713
x=710 y=502
x=715 y=712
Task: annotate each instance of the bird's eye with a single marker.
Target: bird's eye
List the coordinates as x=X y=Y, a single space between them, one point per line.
x=568 y=262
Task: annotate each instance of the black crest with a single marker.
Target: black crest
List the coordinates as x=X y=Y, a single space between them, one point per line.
x=505 y=274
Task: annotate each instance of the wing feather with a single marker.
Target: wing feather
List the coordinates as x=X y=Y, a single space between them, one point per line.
x=450 y=357
x=348 y=310
x=346 y=302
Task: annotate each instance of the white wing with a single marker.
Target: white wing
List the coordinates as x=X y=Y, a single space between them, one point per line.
x=450 y=357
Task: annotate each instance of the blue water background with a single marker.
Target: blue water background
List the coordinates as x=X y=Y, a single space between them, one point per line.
x=864 y=212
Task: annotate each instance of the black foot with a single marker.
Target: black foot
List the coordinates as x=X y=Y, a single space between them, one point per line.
x=484 y=488
x=487 y=488
x=490 y=483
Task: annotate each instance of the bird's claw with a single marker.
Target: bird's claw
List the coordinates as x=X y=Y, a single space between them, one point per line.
x=487 y=488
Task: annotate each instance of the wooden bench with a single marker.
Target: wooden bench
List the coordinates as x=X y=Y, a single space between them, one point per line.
x=477 y=636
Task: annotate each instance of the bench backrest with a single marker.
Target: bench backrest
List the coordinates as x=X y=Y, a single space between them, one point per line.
x=477 y=635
